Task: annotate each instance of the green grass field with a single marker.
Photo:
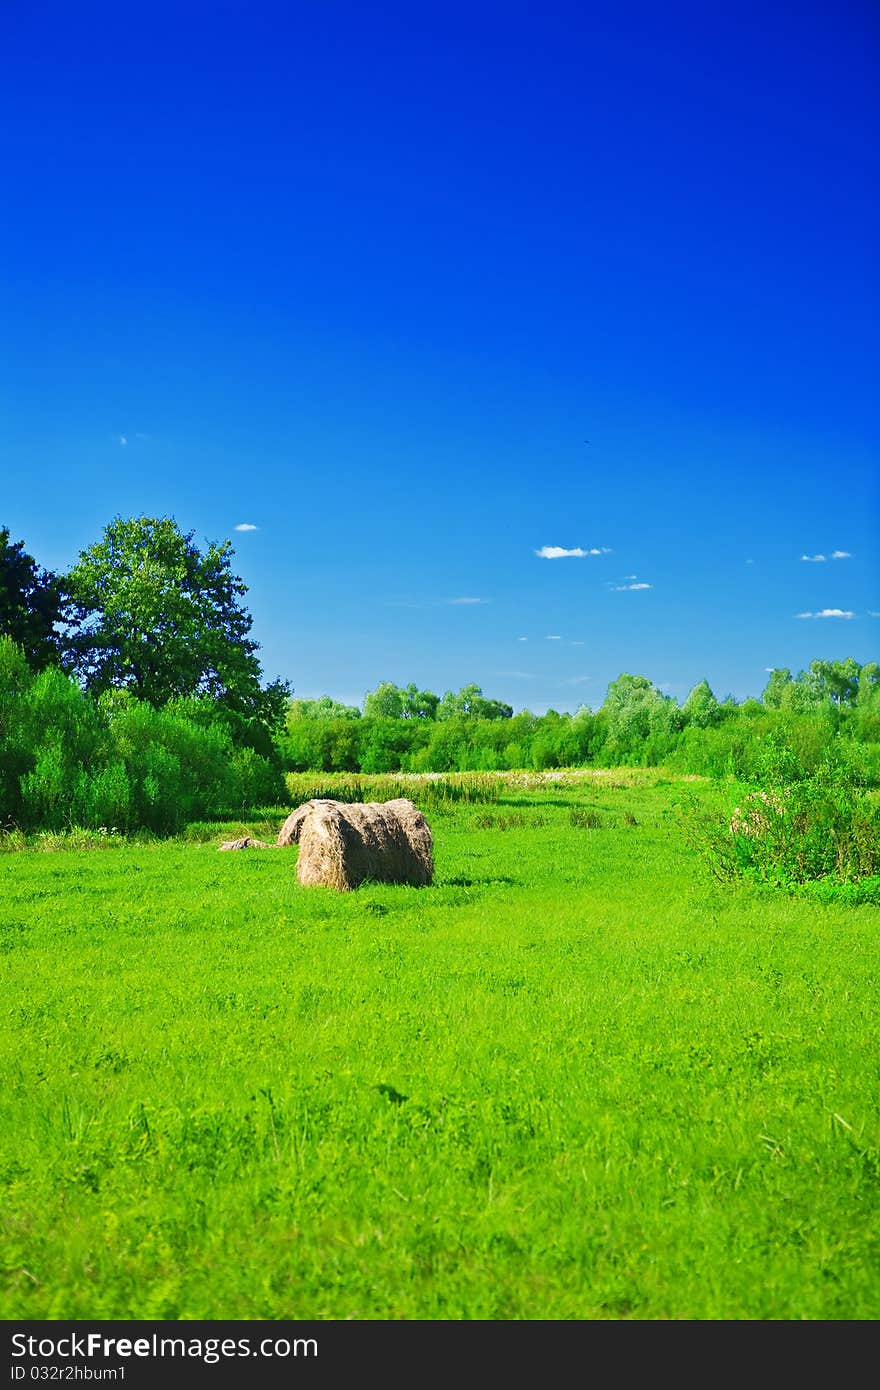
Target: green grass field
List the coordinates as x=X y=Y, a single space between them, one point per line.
x=575 y=1079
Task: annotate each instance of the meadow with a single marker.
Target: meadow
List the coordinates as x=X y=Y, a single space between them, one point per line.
x=576 y=1078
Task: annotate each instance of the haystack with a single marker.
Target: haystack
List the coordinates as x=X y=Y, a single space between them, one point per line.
x=343 y=844
x=248 y=842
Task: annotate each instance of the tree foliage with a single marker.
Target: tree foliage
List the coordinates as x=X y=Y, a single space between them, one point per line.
x=701 y=707
x=385 y=702
x=31 y=603
x=390 y=701
x=323 y=708
x=419 y=704
x=471 y=703
x=155 y=615
x=840 y=683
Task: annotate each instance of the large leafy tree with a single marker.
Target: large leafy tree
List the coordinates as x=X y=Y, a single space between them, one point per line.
x=634 y=710
x=385 y=702
x=701 y=708
x=824 y=682
x=155 y=615
x=419 y=704
x=31 y=603
x=837 y=681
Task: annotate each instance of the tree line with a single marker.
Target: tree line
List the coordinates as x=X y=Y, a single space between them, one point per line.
x=829 y=706
x=131 y=694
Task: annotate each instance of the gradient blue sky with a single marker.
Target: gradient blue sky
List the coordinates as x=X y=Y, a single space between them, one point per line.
x=367 y=277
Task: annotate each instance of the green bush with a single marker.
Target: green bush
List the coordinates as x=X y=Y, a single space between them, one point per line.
x=794 y=826
x=68 y=759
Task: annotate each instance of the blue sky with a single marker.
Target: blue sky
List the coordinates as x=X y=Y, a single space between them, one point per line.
x=368 y=278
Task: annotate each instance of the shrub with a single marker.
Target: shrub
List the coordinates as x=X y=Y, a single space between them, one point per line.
x=68 y=759
x=817 y=827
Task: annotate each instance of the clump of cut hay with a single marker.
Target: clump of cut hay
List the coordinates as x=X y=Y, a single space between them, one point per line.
x=343 y=844
x=248 y=842
x=757 y=813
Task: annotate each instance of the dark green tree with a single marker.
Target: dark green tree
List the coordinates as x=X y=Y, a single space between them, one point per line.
x=31 y=603
x=155 y=615
x=419 y=704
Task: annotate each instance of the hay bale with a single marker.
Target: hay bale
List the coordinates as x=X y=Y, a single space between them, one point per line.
x=343 y=844
x=247 y=843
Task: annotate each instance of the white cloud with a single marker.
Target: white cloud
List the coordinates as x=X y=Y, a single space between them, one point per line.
x=246 y=526
x=553 y=637
x=558 y=552
x=814 y=559
x=122 y=439
x=576 y=680
x=827 y=613
x=522 y=639
x=576 y=642
x=872 y=614
x=621 y=588
x=464 y=601
x=840 y=555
